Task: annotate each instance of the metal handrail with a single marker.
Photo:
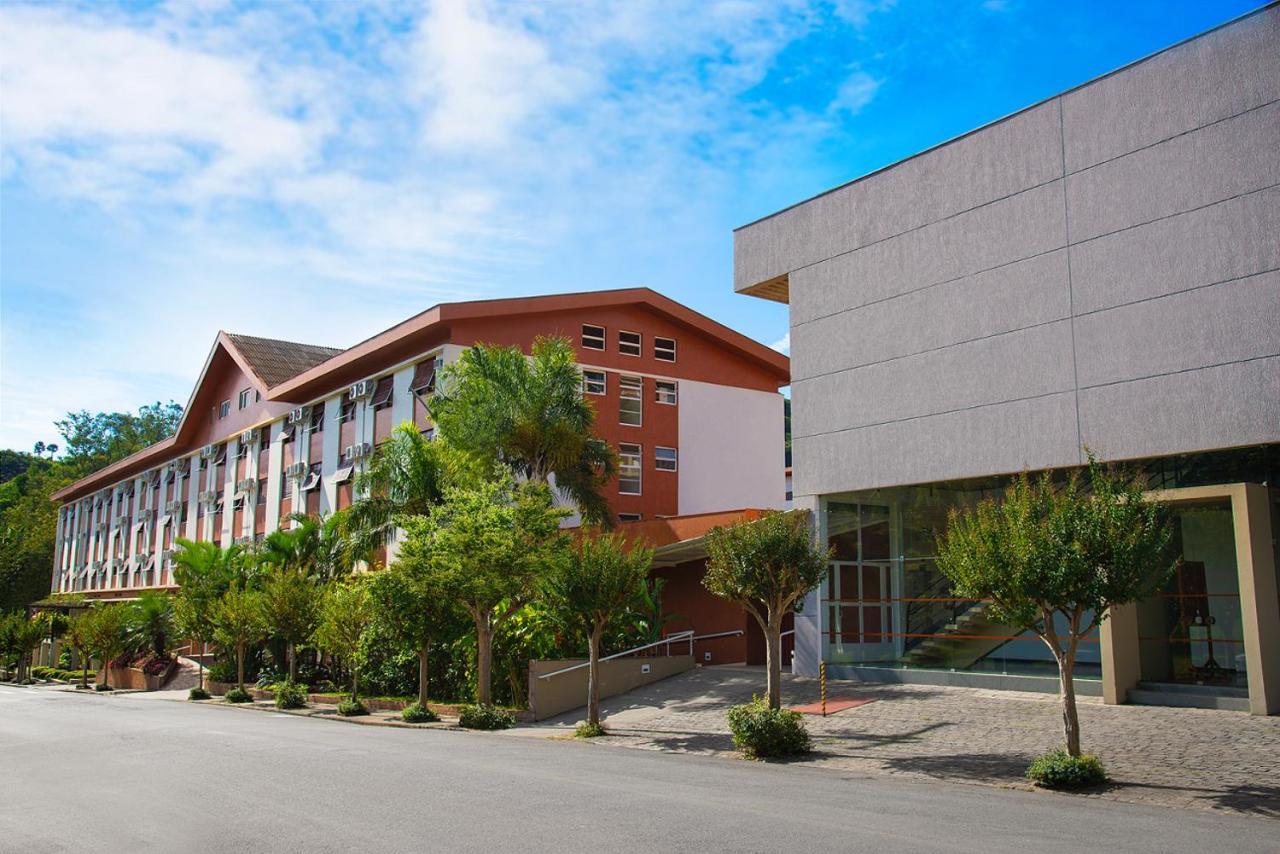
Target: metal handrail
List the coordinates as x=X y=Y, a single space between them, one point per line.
x=687 y=634
x=731 y=634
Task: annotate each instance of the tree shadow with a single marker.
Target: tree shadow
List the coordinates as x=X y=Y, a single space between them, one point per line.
x=1250 y=798
x=972 y=767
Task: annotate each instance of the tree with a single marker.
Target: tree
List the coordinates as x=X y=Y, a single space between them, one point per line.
x=1053 y=555
x=487 y=547
x=203 y=572
x=413 y=609
x=599 y=582
x=406 y=477
x=78 y=635
x=529 y=414
x=238 y=622
x=19 y=635
x=108 y=635
x=768 y=566
x=151 y=624
x=290 y=607
x=345 y=615
x=95 y=440
x=314 y=547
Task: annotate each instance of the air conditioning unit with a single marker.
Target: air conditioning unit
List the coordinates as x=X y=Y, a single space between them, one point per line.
x=173 y=508
x=208 y=497
x=249 y=437
x=361 y=390
x=357 y=451
x=116 y=563
x=298 y=415
x=95 y=566
x=208 y=451
x=243 y=541
x=247 y=485
x=297 y=469
x=166 y=555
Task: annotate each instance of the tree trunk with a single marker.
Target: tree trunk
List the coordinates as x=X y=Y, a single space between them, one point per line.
x=593 y=677
x=422 y=674
x=84 y=667
x=240 y=666
x=355 y=682
x=201 y=663
x=484 y=660
x=1070 y=719
x=292 y=652
x=773 y=656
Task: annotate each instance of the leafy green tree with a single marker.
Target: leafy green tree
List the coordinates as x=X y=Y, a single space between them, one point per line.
x=529 y=414
x=487 y=547
x=108 y=635
x=151 y=624
x=599 y=582
x=412 y=608
x=78 y=634
x=406 y=477
x=768 y=566
x=1050 y=555
x=315 y=547
x=290 y=606
x=203 y=572
x=238 y=622
x=95 y=440
x=345 y=616
x=19 y=635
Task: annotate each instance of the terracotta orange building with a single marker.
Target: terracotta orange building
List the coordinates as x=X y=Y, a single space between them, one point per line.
x=276 y=427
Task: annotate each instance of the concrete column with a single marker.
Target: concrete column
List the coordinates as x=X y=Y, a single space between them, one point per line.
x=330 y=455
x=229 y=533
x=1259 y=605
x=274 y=458
x=1121 y=662
x=194 y=486
x=810 y=622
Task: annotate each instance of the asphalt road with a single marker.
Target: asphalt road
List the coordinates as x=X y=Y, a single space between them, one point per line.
x=95 y=773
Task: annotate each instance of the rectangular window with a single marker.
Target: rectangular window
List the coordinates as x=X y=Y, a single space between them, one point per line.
x=630 y=391
x=224 y=408
x=629 y=517
x=317 y=418
x=665 y=392
x=593 y=382
x=630 y=343
x=382 y=394
x=244 y=398
x=629 y=457
x=592 y=337
x=348 y=411
x=664 y=349
x=664 y=459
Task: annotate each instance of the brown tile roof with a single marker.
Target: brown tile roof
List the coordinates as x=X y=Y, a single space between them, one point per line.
x=276 y=361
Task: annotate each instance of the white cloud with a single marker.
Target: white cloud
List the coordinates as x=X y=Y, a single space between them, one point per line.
x=783 y=344
x=858 y=90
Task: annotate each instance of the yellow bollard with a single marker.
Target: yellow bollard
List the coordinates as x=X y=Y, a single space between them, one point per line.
x=822 y=685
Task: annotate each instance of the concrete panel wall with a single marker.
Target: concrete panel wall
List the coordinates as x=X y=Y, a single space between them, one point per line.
x=1102 y=269
x=730 y=448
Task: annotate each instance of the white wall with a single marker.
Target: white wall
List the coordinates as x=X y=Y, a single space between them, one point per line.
x=731 y=448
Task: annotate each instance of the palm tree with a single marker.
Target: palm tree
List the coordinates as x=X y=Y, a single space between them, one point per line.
x=203 y=572
x=151 y=624
x=530 y=415
x=318 y=547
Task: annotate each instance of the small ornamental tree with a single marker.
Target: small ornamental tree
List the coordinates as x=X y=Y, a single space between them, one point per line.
x=22 y=635
x=487 y=546
x=151 y=624
x=345 y=615
x=768 y=566
x=203 y=572
x=598 y=582
x=108 y=635
x=237 y=623
x=77 y=634
x=291 y=607
x=1055 y=558
x=413 y=609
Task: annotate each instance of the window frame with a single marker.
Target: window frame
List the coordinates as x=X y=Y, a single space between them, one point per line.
x=224 y=409
x=659 y=462
x=638 y=455
x=624 y=383
x=603 y=337
x=630 y=517
x=658 y=391
x=657 y=349
x=243 y=401
x=587 y=385
x=639 y=343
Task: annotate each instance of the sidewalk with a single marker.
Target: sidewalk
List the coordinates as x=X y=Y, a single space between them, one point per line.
x=1165 y=756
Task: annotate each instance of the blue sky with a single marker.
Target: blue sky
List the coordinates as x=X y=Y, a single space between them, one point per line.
x=318 y=172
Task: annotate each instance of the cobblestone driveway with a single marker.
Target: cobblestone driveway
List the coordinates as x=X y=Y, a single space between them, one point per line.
x=1174 y=757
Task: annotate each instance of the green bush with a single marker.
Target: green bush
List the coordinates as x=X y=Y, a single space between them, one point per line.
x=238 y=695
x=759 y=731
x=85 y=687
x=198 y=694
x=1059 y=770
x=291 y=695
x=42 y=672
x=589 y=731
x=352 y=708
x=485 y=717
x=418 y=714
x=102 y=686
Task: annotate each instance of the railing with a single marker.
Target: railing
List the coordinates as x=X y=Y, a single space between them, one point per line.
x=686 y=635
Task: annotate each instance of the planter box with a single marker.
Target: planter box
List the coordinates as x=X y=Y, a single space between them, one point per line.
x=446 y=709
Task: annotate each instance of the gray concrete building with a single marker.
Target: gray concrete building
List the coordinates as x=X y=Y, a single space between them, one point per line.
x=1098 y=271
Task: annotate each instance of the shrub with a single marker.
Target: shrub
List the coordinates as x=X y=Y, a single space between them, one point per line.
x=759 y=731
x=238 y=695
x=291 y=695
x=221 y=671
x=589 y=730
x=352 y=708
x=198 y=694
x=42 y=672
x=418 y=714
x=102 y=686
x=1060 y=770
x=85 y=687
x=482 y=716
x=157 y=665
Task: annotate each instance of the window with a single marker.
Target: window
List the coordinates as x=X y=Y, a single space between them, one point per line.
x=224 y=408
x=593 y=382
x=244 y=398
x=348 y=411
x=629 y=343
x=424 y=378
x=242 y=451
x=630 y=390
x=664 y=459
x=629 y=517
x=592 y=337
x=317 y=418
x=664 y=349
x=629 y=469
x=382 y=394
x=665 y=392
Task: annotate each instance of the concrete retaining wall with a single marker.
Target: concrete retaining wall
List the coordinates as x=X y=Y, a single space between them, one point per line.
x=566 y=691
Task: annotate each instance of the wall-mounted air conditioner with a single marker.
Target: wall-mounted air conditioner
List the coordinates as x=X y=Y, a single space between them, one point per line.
x=208 y=451
x=297 y=469
x=173 y=508
x=246 y=486
x=358 y=451
x=209 y=497
x=249 y=437
x=297 y=415
x=361 y=390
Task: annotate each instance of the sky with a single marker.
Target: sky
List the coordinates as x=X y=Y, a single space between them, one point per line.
x=320 y=171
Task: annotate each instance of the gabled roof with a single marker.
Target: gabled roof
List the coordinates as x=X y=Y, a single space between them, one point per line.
x=274 y=361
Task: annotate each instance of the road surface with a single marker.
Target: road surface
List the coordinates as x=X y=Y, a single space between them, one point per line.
x=126 y=774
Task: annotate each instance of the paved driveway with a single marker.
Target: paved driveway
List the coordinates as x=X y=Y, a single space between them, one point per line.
x=119 y=774
x=1174 y=757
